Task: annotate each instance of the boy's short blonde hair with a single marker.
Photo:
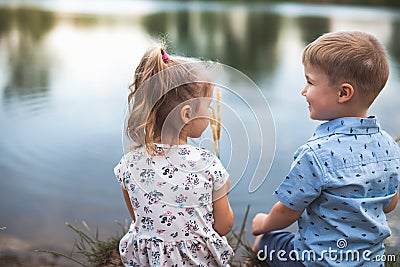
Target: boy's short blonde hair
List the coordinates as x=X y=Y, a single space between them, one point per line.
x=354 y=57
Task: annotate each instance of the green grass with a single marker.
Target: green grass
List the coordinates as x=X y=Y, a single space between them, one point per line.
x=243 y=250
x=89 y=250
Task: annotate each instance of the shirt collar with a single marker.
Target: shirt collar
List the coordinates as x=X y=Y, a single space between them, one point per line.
x=347 y=125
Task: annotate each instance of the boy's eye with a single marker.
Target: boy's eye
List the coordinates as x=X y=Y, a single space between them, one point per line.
x=309 y=82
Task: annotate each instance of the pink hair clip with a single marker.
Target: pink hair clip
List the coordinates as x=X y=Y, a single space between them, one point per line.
x=164 y=56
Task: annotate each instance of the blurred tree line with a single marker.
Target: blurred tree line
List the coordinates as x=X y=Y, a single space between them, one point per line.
x=391 y=3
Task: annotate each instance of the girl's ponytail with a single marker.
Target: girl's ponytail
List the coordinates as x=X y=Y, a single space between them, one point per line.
x=142 y=116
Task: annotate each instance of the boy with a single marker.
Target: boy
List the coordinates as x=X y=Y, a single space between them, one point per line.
x=345 y=178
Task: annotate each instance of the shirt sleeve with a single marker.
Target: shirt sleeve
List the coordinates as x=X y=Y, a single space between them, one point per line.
x=304 y=182
x=121 y=172
x=218 y=173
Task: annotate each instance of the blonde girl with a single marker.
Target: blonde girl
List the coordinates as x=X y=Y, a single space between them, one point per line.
x=176 y=193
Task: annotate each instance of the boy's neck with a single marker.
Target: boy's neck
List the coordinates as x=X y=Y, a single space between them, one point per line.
x=355 y=113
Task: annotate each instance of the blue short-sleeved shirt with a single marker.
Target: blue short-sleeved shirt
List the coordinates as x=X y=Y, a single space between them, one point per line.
x=343 y=177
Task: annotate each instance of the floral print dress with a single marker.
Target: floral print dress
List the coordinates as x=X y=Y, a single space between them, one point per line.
x=171 y=194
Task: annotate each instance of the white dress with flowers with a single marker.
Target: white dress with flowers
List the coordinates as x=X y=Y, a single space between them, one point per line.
x=171 y=194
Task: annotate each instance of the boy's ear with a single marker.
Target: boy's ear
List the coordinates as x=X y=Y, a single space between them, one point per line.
x=186 y=113
x=346 y=92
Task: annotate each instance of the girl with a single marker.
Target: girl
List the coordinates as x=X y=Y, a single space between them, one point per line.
x=176 y=193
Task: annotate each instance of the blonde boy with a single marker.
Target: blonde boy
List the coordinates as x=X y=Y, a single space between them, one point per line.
x=345 y=179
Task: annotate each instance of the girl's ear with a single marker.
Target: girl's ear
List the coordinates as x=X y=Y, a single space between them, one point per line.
x=186 y=113
x=346 y=92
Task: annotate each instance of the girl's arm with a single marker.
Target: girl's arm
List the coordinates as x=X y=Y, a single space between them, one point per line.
x=128 y=204
x=280 y=217
x=392 y=204
x=222 y=212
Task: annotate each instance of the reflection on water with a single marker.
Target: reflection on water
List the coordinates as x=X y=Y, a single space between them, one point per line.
x=393 y=46
x=312 y=27
x=22 y=32
x=237 y=38
x=64 y=82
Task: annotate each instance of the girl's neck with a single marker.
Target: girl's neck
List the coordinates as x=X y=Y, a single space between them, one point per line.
x=171 y=136
x=170 y=140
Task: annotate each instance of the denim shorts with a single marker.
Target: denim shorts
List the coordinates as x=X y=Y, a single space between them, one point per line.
x=275 y=248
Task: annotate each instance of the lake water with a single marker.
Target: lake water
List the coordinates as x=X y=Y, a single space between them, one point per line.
x=65 y=67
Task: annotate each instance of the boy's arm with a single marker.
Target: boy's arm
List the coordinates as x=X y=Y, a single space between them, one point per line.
x=280 y=217
x=392 y=204
x=128 y=204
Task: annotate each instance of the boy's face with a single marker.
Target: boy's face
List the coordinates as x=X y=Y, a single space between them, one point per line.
x=322 y=97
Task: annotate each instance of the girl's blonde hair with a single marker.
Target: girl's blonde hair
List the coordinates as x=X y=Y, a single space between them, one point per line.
x=354 y=57
x=161 y=82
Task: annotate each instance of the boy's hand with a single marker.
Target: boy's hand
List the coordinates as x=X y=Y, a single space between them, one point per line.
x=280 y=217
x=258 y=225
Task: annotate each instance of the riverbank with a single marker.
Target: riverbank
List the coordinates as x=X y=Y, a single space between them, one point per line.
x=18 y=253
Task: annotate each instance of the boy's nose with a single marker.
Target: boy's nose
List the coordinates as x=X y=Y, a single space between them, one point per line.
x=303 y=92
